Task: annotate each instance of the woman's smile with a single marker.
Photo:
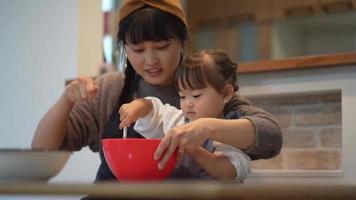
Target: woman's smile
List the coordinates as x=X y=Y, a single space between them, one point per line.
x=154 y=72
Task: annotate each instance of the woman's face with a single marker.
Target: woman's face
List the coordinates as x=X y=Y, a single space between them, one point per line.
x=155 y=62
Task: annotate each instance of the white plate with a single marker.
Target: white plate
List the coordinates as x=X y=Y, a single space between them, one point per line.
x=27 y=164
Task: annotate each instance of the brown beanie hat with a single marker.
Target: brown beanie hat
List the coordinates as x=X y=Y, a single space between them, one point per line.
x=173 y=7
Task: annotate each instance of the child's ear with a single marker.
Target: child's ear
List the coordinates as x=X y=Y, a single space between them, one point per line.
x=228 y=92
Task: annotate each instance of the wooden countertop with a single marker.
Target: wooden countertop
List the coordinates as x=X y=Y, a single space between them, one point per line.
x=189 y=190
x=305 y=62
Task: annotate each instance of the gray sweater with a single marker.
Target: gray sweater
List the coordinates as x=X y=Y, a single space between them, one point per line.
x=87 y=119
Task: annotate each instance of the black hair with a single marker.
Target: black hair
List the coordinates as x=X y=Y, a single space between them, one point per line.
x=208 y=67
x=146 y=24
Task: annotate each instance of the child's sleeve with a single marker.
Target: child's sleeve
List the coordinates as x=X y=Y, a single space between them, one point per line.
x=161 y=118
x=238 y=158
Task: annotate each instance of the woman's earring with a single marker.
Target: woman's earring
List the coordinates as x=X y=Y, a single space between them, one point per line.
x=121 y=57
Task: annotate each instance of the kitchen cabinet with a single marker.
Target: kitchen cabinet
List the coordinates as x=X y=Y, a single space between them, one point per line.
x=273 y=29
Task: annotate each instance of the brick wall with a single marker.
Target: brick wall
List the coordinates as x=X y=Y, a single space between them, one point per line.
x=311 y=126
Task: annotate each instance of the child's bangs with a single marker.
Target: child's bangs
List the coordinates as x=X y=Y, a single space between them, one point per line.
x=191 y=77
x=198 y=72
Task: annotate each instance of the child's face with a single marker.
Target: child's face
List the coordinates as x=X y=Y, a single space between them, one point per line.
x=198 y=103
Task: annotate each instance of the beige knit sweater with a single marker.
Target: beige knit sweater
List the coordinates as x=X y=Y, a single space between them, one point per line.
x=87 y=121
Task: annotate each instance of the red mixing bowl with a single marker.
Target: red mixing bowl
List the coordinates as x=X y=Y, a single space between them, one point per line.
x=132 y=159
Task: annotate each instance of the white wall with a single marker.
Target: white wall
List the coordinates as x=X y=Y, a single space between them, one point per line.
x=38 y=52
x=90 y=36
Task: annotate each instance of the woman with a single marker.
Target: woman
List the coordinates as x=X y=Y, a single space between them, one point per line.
x=153 y=34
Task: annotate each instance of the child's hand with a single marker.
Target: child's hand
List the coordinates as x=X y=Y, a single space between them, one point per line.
x=81 y=89
x=130 y=112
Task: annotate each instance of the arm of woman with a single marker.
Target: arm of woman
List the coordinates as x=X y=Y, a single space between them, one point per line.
x=254 y=131
x=238 y=133
x=74 y=125
x=266 y=131
x=52 y=124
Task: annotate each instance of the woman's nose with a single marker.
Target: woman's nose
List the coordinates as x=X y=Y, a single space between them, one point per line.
x=151 y=58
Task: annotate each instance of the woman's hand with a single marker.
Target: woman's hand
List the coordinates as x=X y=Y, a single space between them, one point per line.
x=81 y=89
x=186 y=138
x=50 y=131
x=130 y=112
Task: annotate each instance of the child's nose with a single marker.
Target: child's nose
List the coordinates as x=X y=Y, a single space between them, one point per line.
x=189 y=104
